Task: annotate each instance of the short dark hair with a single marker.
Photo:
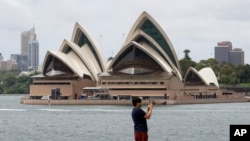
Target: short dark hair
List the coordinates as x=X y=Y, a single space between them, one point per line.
x=135 y=100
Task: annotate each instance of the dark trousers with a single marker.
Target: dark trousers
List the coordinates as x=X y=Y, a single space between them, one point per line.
x=141 y=136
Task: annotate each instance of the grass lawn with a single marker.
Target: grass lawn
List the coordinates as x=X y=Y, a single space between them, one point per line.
x=244 y=84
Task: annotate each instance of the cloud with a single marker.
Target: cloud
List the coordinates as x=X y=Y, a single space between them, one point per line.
x=195 y=25
x=14 y=15
x=15 y=18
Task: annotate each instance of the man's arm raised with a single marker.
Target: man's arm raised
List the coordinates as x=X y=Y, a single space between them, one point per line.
x=149 y=111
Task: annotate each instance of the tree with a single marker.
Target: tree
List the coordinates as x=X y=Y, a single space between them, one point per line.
x=208 y=63
x=245 y=75
x=1 y=89
x=185 y=64
x=12 y=83
x=228 y=75
x=9 y=81
x=23 y=79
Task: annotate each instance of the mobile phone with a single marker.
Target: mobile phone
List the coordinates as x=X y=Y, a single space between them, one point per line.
x=150 y=102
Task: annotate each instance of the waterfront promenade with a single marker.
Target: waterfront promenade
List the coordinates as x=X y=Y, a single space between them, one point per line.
x=128 y=102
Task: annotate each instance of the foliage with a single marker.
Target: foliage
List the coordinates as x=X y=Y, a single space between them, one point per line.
x=234 y=74
x=244 y=85
x=208 y=63
x=12 y=83
x=185 y=64
x=226 y=73
x=245 y=74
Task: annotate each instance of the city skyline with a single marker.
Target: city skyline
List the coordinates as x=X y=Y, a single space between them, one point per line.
x=193 y=25
x=30 y=48
x=224 y=52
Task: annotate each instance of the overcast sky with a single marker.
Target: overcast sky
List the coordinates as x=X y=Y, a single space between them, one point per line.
x=196 y=25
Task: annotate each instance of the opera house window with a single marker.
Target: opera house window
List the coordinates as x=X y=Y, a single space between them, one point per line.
x=56 y=68
x=133 y=61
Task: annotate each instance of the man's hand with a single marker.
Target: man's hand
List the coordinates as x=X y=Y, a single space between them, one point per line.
x=150 y=105
x=149 y=112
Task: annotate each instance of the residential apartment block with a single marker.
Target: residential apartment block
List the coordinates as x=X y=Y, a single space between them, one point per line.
x=224 y=52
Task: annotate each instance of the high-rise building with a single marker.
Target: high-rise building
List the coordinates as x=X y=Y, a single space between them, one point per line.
x=6 y=65
x=33 y=55
x=30 y=48
x=20 y=61
x=236 y=56
x=225 y=43
x=26 y=37
x=3 y=65
x=224 y=52
x=1 y=57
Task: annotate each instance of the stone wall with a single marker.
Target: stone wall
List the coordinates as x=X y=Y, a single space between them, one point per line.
x=128 y=102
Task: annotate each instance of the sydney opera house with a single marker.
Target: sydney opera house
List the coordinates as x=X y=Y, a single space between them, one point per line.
x=146 y=66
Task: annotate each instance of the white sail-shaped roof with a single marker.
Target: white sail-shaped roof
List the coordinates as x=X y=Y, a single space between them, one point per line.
x=147 y=50
x=148 y=36
x=145 y=23
x=84 y=56
x=205 y=76
x=64 y=62
x=82 y=38
x=210 y=76
x=79 y=56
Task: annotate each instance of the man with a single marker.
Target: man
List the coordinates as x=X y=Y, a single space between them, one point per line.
x=140 y=119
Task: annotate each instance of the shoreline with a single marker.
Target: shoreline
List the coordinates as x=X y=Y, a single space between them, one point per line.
x=14 y=94
x=128 y=102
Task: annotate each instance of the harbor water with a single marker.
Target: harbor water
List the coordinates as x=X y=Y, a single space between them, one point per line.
x=196 y=122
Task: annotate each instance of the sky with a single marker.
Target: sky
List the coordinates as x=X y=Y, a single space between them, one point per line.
x=196 y=25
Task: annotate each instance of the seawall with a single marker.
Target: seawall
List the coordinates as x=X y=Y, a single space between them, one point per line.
x=128 y=102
